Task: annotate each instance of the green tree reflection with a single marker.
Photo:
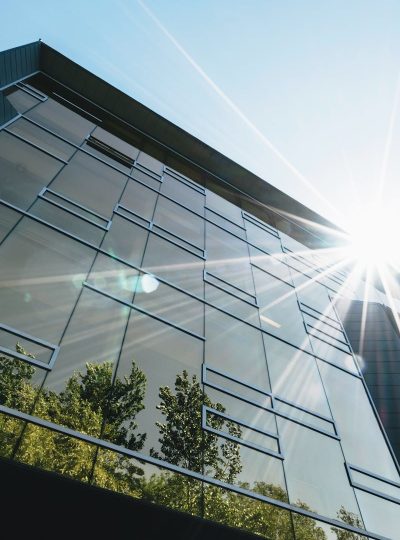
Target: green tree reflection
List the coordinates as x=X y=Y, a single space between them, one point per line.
x=97 y=404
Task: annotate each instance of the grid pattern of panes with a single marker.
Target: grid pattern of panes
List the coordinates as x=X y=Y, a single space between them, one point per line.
x=158 y=340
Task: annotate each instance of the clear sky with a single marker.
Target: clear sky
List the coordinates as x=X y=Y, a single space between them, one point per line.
x=302 y=92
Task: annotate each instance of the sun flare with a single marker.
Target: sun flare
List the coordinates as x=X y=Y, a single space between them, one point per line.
x=374 y=238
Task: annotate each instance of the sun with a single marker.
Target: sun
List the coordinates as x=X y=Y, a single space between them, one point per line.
x=373 y=240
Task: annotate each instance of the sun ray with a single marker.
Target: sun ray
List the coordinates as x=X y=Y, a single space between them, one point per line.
x=235 y=108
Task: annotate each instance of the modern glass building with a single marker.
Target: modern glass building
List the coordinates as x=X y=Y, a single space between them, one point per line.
x=167 y=332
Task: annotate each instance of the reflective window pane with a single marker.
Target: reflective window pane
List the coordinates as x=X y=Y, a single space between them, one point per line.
x=24 y=171
x=357 y=426
x=41 y=138
x=22 y=101
x=235 y=348
x=228 y=258
x=316 y=477
x=41 y=274
x=61 y=120
x=90 y=183
x=279 y=310
x=174 y=264
x=183 y=193
x=294 y=376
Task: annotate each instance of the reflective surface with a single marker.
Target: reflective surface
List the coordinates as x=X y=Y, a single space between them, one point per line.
x=172 y=347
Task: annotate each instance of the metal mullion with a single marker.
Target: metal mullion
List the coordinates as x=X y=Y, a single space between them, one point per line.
x=24 y=358
x=373 y=475
x=272 y=275
x=240 y=422
x=41 y=98
x=26 y=213
x=225 y=218
x=14 y=119
x=260 y=224
x=263 y=392
x=141 y=310
x=69 y=211
x=75 y=204
x=310 y=327
x=189 y=183
x=34 y=145
x=236 y=440
x=274 y=411
x=228 y=291
x=186 y=472
x=206 y=302
x=14 y=83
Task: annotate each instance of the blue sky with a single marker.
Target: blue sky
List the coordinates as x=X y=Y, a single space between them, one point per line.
x=304 y=92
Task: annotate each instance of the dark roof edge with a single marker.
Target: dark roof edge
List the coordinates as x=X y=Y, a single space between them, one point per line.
x=95 y=89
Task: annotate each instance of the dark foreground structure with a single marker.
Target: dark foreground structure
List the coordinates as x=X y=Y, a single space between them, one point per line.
x=169 y=339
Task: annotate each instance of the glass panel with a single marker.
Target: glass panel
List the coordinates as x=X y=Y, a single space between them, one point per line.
x=19 y=386
x=249 y=514
x=41 y=274
x=146 y=179
x=139 y=199
x=179 y=221
x=182 y=193
x=294 y=376
x=224 y=207
x=38 y=136
x=24 y=171
x=279 y=310
x=229 y=302
x=375 y=484
x=225 y=223
x=357 y=425
x=167 y=363
x=66 y=221
x=90 y=183
x=316 y=477
x=174 y=264
x=316 y=296
x=270 y=264
x=263 y=239
x=153 y=484
x=22 y=101
x=228 y=258
x=12 y=339
x=105 y=156
x=8 y=218
x=238 y=389
x=61 y=120
x=249 y=469
x=231 y=428
x=150 y=163
x=10 y=432
x=80 y=383
x=242 y=411
x=306 y=418
x=380 y=516
x=126 y=240
x=332 y=354
x=56 y=452
x=170 y=304
x=115 y=142
x=113 y=277
x=235 y=348
x=311 y=529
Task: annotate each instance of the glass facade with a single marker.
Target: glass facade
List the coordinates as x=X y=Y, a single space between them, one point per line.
x=159 y=340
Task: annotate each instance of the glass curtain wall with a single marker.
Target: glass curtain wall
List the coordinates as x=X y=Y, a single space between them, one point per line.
x=160 y=341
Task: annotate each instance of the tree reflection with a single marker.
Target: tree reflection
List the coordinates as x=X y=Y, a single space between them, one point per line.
x=99 y=404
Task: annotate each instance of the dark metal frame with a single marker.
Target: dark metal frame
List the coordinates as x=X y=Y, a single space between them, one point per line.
x=38 y=363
